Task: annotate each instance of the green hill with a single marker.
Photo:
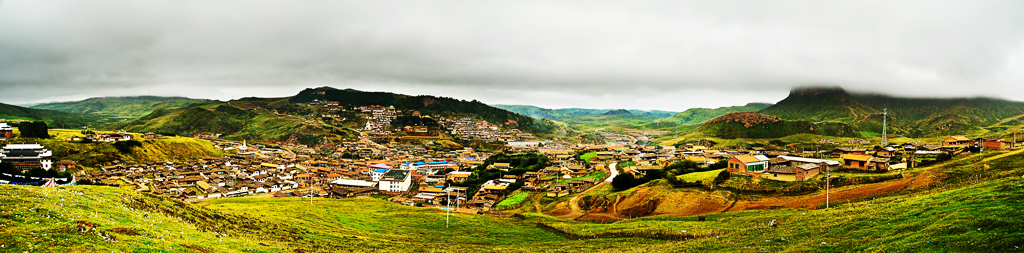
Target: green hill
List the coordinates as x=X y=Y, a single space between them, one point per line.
x=429 y=105
x=820 y=104
x=51 y=117
x=756 y=125
x=701 y=115
x=120 y=108
x=238 y=123
x=286 y=119
x=94 y=154
x=915 y=117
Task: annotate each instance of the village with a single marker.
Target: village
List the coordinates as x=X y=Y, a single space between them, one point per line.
x=404 y=165
x=415 y=174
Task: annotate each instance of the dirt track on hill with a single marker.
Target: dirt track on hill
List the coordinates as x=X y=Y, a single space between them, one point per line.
x=654 y=202
x=575 y=212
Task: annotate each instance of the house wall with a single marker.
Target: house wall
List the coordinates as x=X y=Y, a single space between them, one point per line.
x=780 y=177
x=395 y=186
x=993 y=145
x=853 y=164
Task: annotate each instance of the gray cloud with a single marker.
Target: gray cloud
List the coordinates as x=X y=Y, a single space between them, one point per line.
x=658 y=55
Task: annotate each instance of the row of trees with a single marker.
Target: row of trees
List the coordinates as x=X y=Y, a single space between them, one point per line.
x=671 y=173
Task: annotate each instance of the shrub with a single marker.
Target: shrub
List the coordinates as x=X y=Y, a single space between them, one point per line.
x=126 y=146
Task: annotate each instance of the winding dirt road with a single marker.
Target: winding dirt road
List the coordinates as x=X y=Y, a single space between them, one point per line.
x=574 y=204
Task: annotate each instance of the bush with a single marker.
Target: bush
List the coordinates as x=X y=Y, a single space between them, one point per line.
x=623 y=181
x=722 y=177
x=126 y=146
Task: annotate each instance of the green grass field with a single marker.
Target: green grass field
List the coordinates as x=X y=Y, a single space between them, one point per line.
x=588 y=156
x=599 y=175
x=700 y=176
x=513 y=200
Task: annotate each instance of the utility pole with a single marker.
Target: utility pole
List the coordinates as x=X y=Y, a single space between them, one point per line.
x=885 y=112
x=448 y=208
x=828 y=181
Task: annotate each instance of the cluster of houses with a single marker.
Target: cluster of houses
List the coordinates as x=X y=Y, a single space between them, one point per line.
x=107 y=137
x=477 y=130
x=378 y=119
x=796 y=168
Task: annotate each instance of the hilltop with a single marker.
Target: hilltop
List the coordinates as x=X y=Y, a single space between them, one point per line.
x=51 y=117
x=701 y=115
x=915 y=117
x=122 y=108
x=296 y=119
x=95 y=154
x=617 y=112
x=756 y=125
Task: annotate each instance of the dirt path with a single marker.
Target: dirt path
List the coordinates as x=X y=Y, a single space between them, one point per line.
x=575 y=212
x=574 y=204
x=536 y=202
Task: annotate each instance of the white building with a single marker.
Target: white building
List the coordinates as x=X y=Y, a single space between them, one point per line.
x=395 y=181
x=26 y=156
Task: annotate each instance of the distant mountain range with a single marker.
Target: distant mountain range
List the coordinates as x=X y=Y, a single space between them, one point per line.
x=916 y=117
x=119 y=108
x=559 y=114
x=816 y=110
x=51 y=117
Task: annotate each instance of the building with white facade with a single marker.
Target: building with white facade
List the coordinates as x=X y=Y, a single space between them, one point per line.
x=395 y=181
x=25 y=156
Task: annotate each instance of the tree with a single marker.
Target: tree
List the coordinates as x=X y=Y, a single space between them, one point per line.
x=36 y=129
x=6 y=167
x=722 y=177
x=126 y=146
x=671 y=178
x=623 y=181
x=721 y=164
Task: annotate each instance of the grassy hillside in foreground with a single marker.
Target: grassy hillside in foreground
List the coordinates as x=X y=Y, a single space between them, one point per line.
x=90 y=219
x=122 y=107
x=975 y=207
x=176 y=149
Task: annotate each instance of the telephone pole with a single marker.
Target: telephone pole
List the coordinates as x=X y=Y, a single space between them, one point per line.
x=885 y=112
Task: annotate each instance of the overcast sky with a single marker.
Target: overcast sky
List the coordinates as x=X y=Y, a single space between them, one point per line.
x=668 y=55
